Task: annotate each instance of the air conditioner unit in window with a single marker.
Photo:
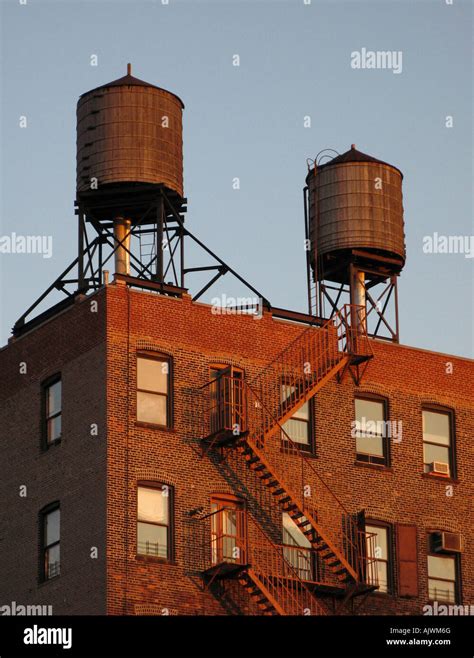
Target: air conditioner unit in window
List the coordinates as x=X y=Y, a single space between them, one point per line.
x=440 y=468
x=447 y=542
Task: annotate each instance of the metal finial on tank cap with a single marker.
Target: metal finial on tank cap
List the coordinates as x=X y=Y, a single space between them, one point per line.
x=129 y=69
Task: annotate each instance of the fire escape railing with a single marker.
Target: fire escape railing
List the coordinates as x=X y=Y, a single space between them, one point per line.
x=258 y=562
x=311 y=568
x=308 y=362
x=226 y=409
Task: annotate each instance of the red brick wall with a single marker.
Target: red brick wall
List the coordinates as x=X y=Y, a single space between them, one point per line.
x=195 y=338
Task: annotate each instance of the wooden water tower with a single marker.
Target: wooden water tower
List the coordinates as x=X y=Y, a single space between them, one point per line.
x=129 y=200
x=130 y=177
x=355 y=234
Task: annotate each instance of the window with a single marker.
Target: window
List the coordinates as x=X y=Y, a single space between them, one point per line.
x=52 y=410
x=378 y=551
x=227 y=530
x=154 y=506
x=442 y=578
x=50 y=536
x=437 y=441
x=370 y=433
x=226 y=399
x=297 y=548
x=153 y=390
x=298 y=427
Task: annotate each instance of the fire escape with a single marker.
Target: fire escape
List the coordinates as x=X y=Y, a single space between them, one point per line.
x=247 y=420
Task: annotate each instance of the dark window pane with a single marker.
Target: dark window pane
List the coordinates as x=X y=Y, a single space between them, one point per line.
x=297 y=427
x=226 y=532
x=296 y=550
x=382 y=570
x=377 y=548
x=297 y=430
x=151 y=408
x=436 y=427
x=435 y=453
x=370 y=427
x=288 y=397
x=441 y=590
x=153 y=505
x=370 y=445
x=441 y=567
x=153 y=515
x=230 y=550
x=152 y=375
x=52 y=563
x=152 y=540
x=302 y=412
x=51 y=527
x=292 y=534
x=380 y=541
x=369 y=410
x=225 y=549
x=53 y=399
x=54 y=428
x=229 y=522
x=300 y=559
x=286 y=393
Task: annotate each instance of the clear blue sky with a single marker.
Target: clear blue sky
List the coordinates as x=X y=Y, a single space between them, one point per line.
x=247 y=122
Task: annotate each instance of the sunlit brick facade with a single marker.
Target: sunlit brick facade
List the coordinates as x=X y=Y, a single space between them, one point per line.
x=105 y=454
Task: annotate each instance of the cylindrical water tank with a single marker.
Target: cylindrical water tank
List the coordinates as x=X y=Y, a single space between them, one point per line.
x=355 y=203
x=129 y=131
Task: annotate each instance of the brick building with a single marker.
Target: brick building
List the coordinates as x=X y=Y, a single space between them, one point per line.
x=94 y=471
x=162 y=457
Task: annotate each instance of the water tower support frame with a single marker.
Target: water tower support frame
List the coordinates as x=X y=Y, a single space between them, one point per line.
x=377 y=305
x=162 y=216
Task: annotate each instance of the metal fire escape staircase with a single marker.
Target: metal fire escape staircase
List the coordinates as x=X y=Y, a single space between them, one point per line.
x=250 y=419
x=273 y=585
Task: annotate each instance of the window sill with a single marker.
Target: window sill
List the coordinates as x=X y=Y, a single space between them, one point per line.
x=433 y=601
x=46 y=446
x=375 y=467
x=386 y=595
x=154 y=426
x=45 y=581
x=155 y=559
x=440 y=478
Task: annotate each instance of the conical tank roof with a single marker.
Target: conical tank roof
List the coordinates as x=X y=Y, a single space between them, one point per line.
x=353 y=155
x=129 y=81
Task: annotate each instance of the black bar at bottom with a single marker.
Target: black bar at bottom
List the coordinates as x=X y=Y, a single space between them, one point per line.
x=244 y=637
